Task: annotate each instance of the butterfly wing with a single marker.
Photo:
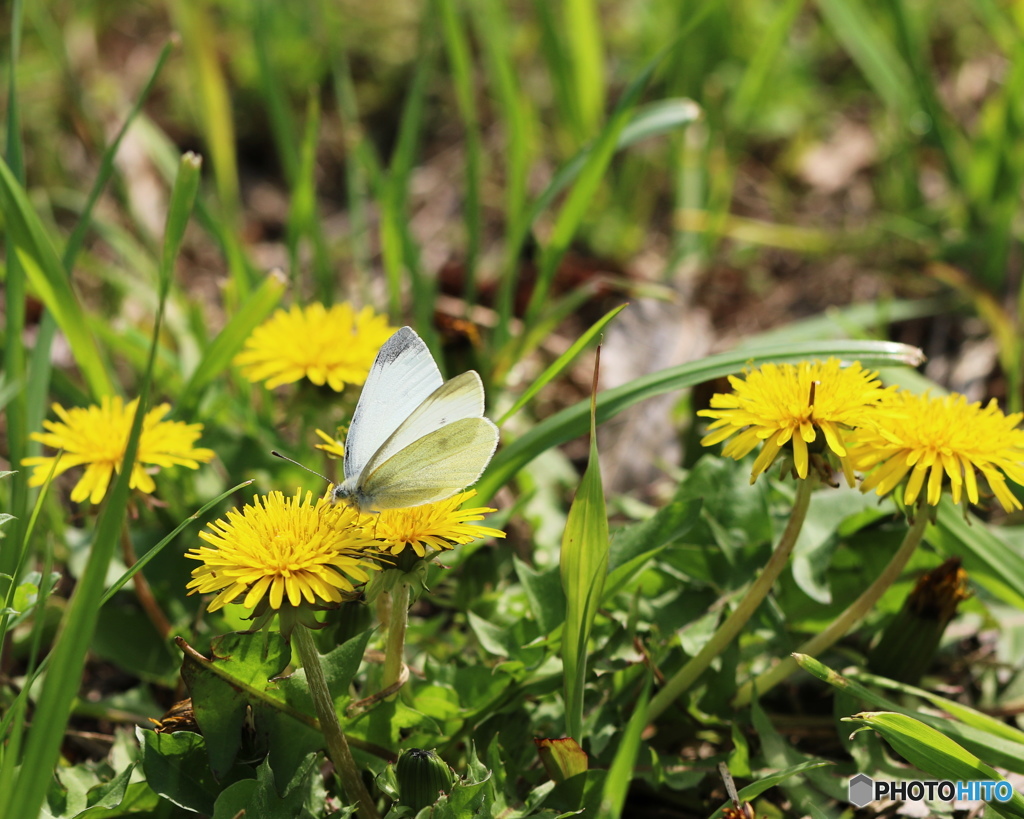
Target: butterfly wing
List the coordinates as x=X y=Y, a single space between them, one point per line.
x=462 y=397
x=402 y=377
x=431 y=468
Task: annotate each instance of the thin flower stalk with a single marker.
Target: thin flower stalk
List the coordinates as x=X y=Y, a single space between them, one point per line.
x=398 y=601
x=846 y=621
x=407 y=537
x=337 y=745
x=734 y=623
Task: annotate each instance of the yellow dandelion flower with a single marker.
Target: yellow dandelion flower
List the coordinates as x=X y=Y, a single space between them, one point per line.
x=333 y=346
x=281 y=552
x=941 y=441
x=435 y=525
x=332 y=446
x=780 y=404
x=97 y=437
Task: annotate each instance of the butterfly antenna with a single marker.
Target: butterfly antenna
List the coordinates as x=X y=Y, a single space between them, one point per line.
x=277 y=454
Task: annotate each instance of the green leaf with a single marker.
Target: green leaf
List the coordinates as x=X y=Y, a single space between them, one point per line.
x=584 y=569
x=873 y=52
x=225 y=688
x=616 y=786
x=217 y=355
x=634 y=545
x=544 y=592
x=933 y=752
x=990 y=562
x=563 y=361
x=996 y=746
x=51 y=283
x=260 y=797
x=177 y=768
x=67 y=659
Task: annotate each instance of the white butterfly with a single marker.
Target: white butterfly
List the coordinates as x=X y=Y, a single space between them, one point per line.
x=414 y=438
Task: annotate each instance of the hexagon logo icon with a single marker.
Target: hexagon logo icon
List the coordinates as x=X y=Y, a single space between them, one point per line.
x=861 y=790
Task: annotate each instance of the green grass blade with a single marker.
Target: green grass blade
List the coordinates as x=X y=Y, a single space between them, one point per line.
x=106 y=169
x=67 y=658
x=580 y=198
x=214 y=100
x=302 y=216
x=462 y=77
x=362 y=169
x=584 y=569
x=1001 y=750
x=559 y=68
x=649 y=121
x=270 y=86
x=217 y=355
x=583 y=31
x=934 y=753
x=965 y=714
x=620 y=774
x=18 y=413
x=516 y=114
x=572 y=421
x=140 y=564
x=43 y=269
x=563 y=361
x=759 y=67
x=991 y=563
x=393 y=217
x=874 y=53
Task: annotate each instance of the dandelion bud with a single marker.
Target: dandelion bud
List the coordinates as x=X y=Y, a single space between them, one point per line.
x=422 y=777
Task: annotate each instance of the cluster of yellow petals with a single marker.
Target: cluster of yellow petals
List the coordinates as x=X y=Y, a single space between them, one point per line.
x=97 y=437
x=433 y=525
x=335 y=346
x=931 y=441
x=893 y=437
x=283 y=550
x=782 y=404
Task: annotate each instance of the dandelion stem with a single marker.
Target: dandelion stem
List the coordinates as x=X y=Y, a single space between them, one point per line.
x=734 y=623
x=143 y=592
x=853 y=614
x=337 y=745
x=398 y=619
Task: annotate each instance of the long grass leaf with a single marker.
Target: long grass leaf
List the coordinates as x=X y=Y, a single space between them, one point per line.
x=580 y=198
x=583 y=31
x=620 y=774
x=17 y=415
x=462 y=78
x=272 y=93
x=572 y=421
x=583 y=569
x=559 y=365
x=63 y=676
x=302 y=215
x=516 y=115
x=213 y=99
x=44 y=271
x=934 y=753
x=393 y=207
x=874 y=53
x=217 y=355
x=991 y=563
